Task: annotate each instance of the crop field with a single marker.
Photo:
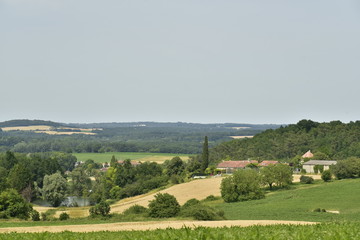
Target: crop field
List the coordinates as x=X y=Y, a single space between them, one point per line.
x=143 y=157
x=340 y=197
x=328 y=231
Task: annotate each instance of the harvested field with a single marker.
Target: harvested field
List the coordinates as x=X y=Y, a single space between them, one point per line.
x=28 y=128
x=241 y=137
x=65 y=133
x=198 y=189
x=129 y=226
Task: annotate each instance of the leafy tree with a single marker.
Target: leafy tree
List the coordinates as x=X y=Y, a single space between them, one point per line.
x=19 y=177
x=326 y=175
x=12 y=204
x=3 y=176
x=175 y=167
x=243 y=185
x=164 y=206
x=54 y=189
x=81 y=183
x=113 y=162
x=279 y=174
x=124 y=173
x=205 y=155
x=349 y=168
x=9 y=160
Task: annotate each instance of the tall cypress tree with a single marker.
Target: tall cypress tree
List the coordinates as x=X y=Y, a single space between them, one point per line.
x=205 y=155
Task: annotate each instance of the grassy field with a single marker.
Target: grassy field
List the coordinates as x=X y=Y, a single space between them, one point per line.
x=327 y=231
x=299 y=203
x=143 y=157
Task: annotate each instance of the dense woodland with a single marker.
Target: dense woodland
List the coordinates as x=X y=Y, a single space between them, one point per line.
x=123 y=137
x=333 y=140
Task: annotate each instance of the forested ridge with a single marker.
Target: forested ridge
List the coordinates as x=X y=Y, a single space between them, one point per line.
x=123 y=137
x=332 y=140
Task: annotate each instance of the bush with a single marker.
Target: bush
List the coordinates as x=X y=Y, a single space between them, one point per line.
x=35 y=215
x=306 y=179
x=64 y=216
x=44 y=216
x=326 y=175
x=210 y=198
x=12 y=204
x=163 y=206
x=190 y=202
x=201 y=212
x=115 y=192
x=135 y=209
x=100 y=209
x=319 y=210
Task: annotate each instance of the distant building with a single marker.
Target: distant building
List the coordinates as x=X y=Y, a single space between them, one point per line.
x=231 y=166
x=133 y=163
x=266 y=163
x=308 y=154
x=309 y=165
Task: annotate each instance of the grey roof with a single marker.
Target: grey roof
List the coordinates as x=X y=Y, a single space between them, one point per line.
x=320 y=162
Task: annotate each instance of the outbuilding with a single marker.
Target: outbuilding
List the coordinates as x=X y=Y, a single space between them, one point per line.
x=309 y=165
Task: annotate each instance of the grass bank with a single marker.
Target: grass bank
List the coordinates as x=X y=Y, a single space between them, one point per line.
x=298 y=203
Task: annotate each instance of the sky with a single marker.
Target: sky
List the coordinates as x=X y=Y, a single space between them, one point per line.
x=201 y=61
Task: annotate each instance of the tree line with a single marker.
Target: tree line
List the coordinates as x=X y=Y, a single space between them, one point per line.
x=332 y=140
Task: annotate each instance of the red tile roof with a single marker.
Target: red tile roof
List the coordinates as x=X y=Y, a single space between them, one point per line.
x=267 y=163
x=235 y=164
x=308 y=154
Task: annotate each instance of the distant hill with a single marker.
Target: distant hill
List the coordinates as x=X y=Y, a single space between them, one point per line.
x=332 y=140
x=157 y=137
x=26 y=122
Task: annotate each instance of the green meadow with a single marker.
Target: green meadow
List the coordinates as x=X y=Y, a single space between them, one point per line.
x=298 y=203
x=138 y=156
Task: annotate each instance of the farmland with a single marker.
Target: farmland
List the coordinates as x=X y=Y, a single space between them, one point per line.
x=328 y=231
x=138 y=156
x=299 y=203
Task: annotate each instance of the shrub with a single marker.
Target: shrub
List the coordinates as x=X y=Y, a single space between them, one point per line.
x=200 y=212
x=303 y=171
x=190 y=202
x=326 y=175
x=306 y=179
x=44 y=216
x=64 y=216
x=115 y=192
x=135 y=209
x=100 y=209
x=163 y=206
x=35 y=215
x=12 y=204
x=210 y=198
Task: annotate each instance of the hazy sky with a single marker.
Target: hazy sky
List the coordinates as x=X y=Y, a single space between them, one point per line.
x=185 y=60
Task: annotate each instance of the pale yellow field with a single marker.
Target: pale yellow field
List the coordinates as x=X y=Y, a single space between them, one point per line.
x=240 y=137
x=27 y=128
x=159 y=159
x=133 y=226
x=51 y=130
x=64 y=133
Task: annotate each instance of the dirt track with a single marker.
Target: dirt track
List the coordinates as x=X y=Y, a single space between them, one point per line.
x=129 y=226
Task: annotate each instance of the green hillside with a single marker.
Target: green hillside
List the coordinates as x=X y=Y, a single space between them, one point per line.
x=299 y=203
x=333 y=140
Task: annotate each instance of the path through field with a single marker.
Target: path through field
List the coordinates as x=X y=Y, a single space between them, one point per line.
x=128 y=226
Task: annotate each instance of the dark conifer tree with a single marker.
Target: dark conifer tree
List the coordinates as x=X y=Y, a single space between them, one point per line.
x=205 y=155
